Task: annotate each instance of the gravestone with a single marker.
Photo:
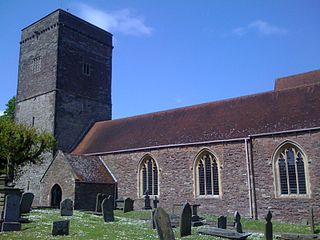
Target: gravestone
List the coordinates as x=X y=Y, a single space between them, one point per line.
x=195 y=216
x=222 y=222
x=163 y=224
x=99 y=199
x=147 y=202
x=60 y=227
x=268 y=234
x=26 y=202
x=66 y=207
x=128 y=205
x=107 y=209
x=155 y=202
x=312 y=221
x=237 y=221
x=185 y=220
x=11 y=213
x=152 y=219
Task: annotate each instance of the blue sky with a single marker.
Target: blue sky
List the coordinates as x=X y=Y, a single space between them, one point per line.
x=169 y=54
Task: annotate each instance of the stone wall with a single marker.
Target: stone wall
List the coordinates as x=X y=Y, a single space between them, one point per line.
x=59 y=173
x=294 y=209
x=176 y=177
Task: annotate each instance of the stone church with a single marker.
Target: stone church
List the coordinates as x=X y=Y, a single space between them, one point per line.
x=247 y=153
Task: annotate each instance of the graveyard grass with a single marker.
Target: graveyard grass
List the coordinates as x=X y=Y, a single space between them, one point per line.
x=131 y=225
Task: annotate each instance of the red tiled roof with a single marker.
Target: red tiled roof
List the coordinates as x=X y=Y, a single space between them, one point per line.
x=297 y=80
x=272 y=111
x=89 y=169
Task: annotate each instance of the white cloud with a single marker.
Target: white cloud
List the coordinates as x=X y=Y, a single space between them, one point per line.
x=260 y=27
x=122 y=21
x=1 y=112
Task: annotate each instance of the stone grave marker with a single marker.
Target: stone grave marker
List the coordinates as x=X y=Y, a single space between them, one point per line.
x=26 y=202
x=155 y=202
x=66 y=207
x=152 y=219
x=128 y=205
x=107 y=209
x=163 y=224
x=147 y=202
x=222 y=222
x=60 y=227
x=11 y=213
x=312 y=221
x=237 y=221
x=99 y=199
x=185 y=220
x=268 y=234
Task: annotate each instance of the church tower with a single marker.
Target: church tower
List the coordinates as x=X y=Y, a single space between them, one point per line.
x=64 y=82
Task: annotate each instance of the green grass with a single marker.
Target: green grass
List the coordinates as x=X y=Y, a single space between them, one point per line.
x=132 y=225
x=258 y=225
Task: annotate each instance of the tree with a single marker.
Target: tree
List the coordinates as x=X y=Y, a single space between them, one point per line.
x=20 y=145
x=9 y=112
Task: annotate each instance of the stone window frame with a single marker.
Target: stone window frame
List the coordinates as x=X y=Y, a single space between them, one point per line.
x=141 y=164
x=280 y=149
x=198 y=158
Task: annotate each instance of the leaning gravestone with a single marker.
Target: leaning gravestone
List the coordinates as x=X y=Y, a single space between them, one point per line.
x=26 y=202
x=268 y=234
x=163 y=224
x=60 y=227
x=11 y=213
x=128 y=205
x=222 y=222
x=107 y=209
x=185 y=220
x=66 y=207
x=237 y=220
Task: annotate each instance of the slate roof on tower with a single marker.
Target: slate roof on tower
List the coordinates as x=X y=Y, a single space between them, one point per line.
x=291 y=106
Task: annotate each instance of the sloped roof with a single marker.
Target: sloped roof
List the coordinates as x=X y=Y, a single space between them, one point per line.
x=89 y=169
x=289 y=109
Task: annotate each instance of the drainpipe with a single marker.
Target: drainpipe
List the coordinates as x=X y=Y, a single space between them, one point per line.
x=249 y=177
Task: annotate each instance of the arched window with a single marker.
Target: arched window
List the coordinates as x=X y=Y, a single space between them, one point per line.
x=148 y=177
x=207 y=175
x=290 y=171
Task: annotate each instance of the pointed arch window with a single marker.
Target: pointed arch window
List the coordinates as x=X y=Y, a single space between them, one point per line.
x=207 y=175
x=291 y=171
x=148 y=177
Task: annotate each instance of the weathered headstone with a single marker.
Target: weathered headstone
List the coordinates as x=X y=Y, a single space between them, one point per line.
x=163 y=224
x=120 y=203
x=185 y=220
x=26 y=202
x=107 y=209
x=268 y=234
x=222 y=222
x=155 y=202
x=312 y=221
x=128 y=205
x=11 y=213
x=66 y=207
x=152 y=219
x=12 y=208
x=237 y=221
x=195 y=216
x=147 y=202
x=60 y=227
x=98 y=202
